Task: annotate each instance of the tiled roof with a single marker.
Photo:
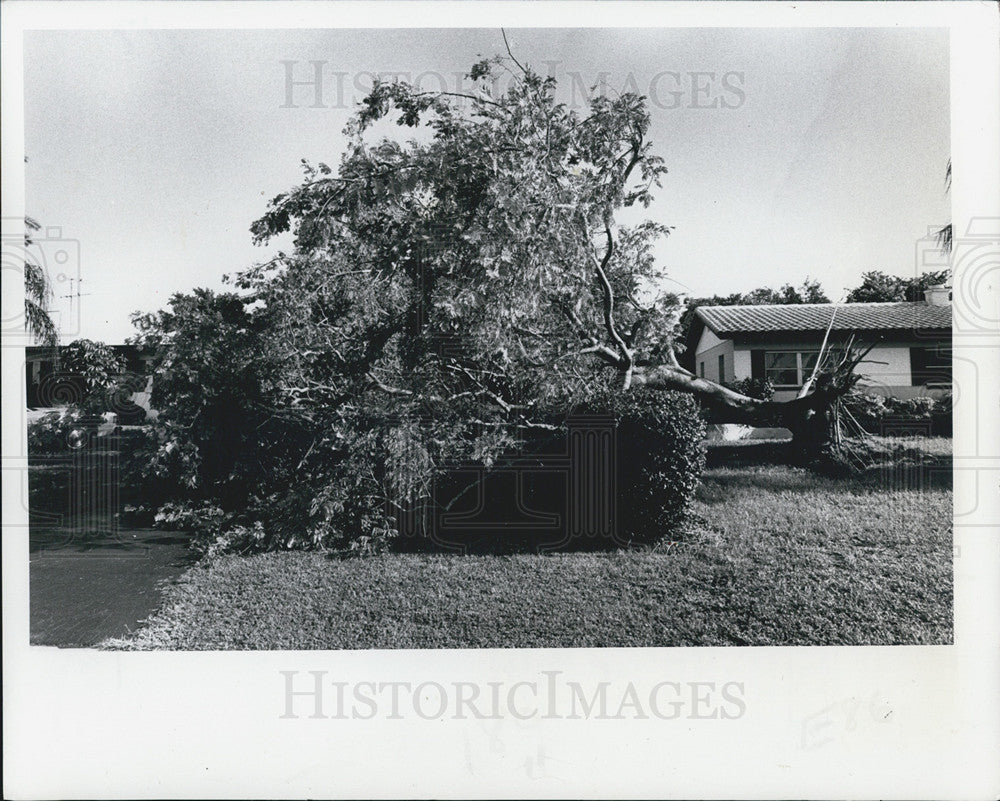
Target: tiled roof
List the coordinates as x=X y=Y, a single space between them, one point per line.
x=816 y=317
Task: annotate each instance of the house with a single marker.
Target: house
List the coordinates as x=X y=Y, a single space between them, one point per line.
x=912 y=356
x=48 y=386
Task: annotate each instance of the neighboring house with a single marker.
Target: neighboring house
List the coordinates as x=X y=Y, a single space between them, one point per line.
x=912 y=357
x=48 y=387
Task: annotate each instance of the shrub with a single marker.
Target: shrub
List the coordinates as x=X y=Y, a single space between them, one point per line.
x=660 y=458
x=868 y=409
x=104 y=383
x=204 y=520
x=660 y=461
x=941 y=416
x=145 y=482
x=54 y=432
x=759 y=388
x=236 y=538
x=876 y=413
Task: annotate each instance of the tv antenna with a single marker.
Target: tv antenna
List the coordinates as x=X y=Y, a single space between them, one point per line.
x=78 y=294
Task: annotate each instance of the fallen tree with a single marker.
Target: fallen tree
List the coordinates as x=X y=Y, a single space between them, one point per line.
x=444 y=295
x=483 y=263
x=810 y=418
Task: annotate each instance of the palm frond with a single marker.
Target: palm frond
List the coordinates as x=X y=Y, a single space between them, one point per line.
x=944 y=238
x=39 y=324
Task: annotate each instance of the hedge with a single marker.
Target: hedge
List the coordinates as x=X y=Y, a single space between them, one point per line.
x=660 y=458
x=882 y=415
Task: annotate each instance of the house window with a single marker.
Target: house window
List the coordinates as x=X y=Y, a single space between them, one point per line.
x=931 y=366
x=701 y=369
x=722 y=369
x=791 y=369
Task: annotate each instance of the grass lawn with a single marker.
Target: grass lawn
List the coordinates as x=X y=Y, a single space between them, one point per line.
x=777 y=556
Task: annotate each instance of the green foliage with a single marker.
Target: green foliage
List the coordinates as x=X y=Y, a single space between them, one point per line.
x=37 y=294
x=101 y=372
x=95 y=379
x=443 y=294
x=218 y=429
x=660 y=461
x=156 y=467
x=213 y=532
x=877 y=413
x=809 y=292
x=759 y=388
x=203 y=518
x=53 y=433
x=879 y=287
x=238 y=538
x=226 y=450
x=461 y=268
x=660 y=457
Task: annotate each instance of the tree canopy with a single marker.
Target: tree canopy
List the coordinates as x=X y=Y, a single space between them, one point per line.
x=445 y=295
x=481 y=263
x=879 y=287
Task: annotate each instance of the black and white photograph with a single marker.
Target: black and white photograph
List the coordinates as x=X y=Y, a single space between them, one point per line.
x=527 y=348
x=483 y=337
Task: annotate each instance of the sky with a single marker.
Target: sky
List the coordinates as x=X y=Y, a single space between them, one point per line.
x=792 y=154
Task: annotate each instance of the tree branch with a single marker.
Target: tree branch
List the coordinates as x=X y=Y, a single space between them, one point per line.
x=726 y=406
x=507 y=45
x=596 y=347
x=386 y=388
x=609 y=304
x=464 y=95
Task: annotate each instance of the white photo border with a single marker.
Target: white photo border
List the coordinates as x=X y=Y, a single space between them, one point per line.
x=895 y=722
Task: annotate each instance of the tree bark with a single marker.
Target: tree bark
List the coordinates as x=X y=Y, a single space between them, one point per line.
x=808 y=417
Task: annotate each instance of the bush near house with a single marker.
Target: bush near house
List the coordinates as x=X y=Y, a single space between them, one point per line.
x=760 y=388
x=877 y=413
x=53 y=432
x=71 y=440
x=660 y=458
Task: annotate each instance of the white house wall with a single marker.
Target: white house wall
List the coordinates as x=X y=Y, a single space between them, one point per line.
x=741 y=363
x=707 y=341
x=887 y=367
x=708 y=351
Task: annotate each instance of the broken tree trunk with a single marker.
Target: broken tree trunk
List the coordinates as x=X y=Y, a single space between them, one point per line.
x=811 y=418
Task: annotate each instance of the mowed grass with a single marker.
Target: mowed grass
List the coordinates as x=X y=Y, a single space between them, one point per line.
x=777 y=556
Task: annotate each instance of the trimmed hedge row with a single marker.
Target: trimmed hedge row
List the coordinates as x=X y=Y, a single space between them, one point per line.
x=659 y=458
x=878 y=414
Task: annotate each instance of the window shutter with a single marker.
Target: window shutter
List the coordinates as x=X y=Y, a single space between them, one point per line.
x=757 y=365
x=918 y=366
